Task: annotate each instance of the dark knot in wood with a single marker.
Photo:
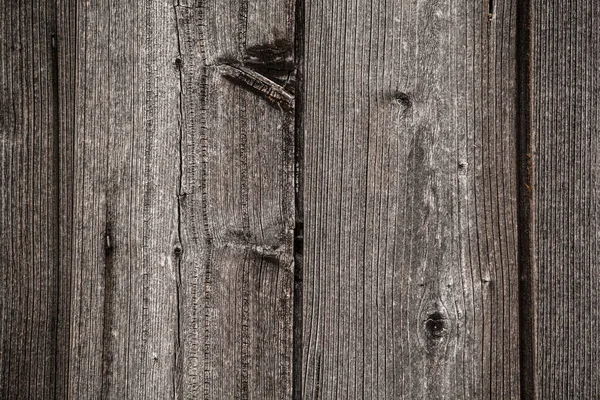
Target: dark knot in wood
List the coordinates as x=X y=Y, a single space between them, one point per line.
x=177 y=251
x=402 y=99
x=437 y=325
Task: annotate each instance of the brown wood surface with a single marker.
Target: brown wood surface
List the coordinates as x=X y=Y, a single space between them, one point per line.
x=566 y=94
x=410 y=273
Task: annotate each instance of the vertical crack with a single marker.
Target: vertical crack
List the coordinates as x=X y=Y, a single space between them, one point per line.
x=298 y=200
x=108 y=306
x=178 y=250
x=525 y=201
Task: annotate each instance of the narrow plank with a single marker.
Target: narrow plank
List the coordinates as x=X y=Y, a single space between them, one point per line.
x=120 y=159
x=28 y=200
x=410 y=265
x=566 y=98
x=237 y=198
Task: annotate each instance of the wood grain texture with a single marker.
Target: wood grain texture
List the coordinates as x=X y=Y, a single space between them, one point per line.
x=410 y=263
x=119 y=110
x=148 y=207
x=28 y=201
x=152 y=161
x=566 y=98
x=236 y=198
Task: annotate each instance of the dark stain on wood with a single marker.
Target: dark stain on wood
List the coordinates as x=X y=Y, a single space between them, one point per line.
x=277 y=56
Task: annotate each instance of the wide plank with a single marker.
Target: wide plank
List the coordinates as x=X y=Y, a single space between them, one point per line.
x=410 y=269
x=119 y=179
x=236 y=198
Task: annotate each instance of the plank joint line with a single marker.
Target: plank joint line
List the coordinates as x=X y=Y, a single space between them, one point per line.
x=525 y=207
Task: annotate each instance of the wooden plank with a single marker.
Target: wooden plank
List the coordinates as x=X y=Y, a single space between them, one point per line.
x=28 y=201
x=565 y=82
x=410 y=266
x=236 y=198
x=119 y=111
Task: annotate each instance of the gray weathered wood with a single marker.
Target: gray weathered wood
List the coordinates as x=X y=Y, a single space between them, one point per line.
x=28 y=201
x=147 y=196
x=410 y=275
x=566 y=99
x=236 y=198
x=148 y=200
x=119 y=109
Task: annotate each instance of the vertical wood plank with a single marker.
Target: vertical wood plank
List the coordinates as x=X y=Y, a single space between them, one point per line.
x=28 y=200
x=566 y=71
x=120 y=159
x=410 y=265
x=236 y=198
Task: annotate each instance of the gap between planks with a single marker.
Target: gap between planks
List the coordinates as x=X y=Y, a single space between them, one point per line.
x=525 y=206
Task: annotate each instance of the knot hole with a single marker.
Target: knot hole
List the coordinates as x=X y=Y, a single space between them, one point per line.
x=403 y=100
x=437 y=325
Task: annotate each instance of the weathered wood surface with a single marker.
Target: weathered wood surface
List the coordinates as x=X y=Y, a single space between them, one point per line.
x=566 y=99
x=236 y=198
x=149 y=158
x=410 y=274
x=119 y=173
x=156 y=140
x=28 y=201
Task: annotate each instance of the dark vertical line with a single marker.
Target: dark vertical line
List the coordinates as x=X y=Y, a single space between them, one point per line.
x=54 y=23
x=298 y=201
x=525 y=209
x=108 y=318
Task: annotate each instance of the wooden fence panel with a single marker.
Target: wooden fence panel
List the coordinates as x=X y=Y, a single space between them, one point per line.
x=236 y=198
x=119 y=179
x=410 y=254
x=28 y=201
x=180 y=252
x=566 y=122
x=149 y=155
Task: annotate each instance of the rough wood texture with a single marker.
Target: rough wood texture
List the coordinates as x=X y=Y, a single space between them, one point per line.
x=410 y=275
x=149 y=154
x=173 y=198
x=236 y=198
x=119 y=175
x=28 y=201
x=565 y=90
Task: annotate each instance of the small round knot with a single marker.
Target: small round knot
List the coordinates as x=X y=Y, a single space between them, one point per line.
x=437 y=325
x=402 y=99
x=177 y=250
x=178 y=62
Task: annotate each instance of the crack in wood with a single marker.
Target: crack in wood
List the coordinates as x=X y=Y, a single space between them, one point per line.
x=108 y=309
